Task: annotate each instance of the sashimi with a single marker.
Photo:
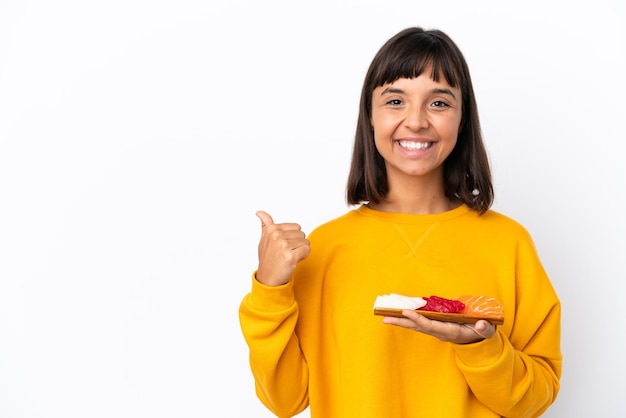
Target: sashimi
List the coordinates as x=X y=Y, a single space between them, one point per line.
x=481 y=306
x=464 y=309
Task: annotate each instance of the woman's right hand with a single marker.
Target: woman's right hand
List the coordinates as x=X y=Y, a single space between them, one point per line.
x=281 y=247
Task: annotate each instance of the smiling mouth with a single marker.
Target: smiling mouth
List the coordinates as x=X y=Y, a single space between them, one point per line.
x=413 y=146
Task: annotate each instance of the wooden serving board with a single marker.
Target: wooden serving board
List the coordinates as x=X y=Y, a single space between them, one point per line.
x=441 y=316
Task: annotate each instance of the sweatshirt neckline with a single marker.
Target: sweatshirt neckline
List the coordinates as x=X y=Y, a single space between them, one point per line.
x=410 y=218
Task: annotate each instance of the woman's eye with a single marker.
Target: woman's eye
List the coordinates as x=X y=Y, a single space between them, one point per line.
x=395 y=102
x=440 y=103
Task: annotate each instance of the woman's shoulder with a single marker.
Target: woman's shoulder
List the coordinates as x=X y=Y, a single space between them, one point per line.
x=338 y=222
x=501 y=221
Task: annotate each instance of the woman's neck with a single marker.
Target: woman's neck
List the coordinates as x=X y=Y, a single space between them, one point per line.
x=421 y=198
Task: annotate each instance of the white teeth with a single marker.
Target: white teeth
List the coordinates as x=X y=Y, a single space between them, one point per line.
x=415 y=145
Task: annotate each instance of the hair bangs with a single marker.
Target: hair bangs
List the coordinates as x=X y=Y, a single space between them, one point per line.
x=415 y=55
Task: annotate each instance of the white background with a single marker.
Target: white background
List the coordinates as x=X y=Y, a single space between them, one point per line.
x=138 y=138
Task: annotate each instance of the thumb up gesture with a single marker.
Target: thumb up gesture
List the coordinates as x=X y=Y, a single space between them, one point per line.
x=281 y=247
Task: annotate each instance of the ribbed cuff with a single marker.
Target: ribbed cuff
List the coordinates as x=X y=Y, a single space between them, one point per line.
x=275 y=298
x=483 y=353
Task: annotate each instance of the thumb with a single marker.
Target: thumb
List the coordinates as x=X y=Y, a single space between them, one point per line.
x=484 y=329
x=265 y=218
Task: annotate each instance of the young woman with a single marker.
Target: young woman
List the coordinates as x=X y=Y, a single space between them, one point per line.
x=422 y=225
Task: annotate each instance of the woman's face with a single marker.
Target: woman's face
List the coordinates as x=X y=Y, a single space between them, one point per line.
x=416 y=123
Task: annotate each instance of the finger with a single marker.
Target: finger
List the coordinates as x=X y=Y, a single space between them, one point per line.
x=445 y=331
x=290 y=232
x=415 y=317
x=302 y=251
x=484 y=329
x=411 y=319
x=265 y=218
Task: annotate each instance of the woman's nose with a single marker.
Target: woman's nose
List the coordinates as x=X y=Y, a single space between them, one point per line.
x=416 y=118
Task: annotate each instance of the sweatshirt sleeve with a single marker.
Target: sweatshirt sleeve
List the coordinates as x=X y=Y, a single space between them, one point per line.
x=268 y=316
x=518 y=375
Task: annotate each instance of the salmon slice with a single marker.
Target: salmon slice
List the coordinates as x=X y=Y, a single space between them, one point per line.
x=483 y=306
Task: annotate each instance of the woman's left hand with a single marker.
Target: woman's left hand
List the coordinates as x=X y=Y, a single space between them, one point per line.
x=445 y=331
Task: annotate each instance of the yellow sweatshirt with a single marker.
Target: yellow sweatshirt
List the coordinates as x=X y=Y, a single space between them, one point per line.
x=315 y=341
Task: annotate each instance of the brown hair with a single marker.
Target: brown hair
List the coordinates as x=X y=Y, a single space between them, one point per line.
x=407 y=55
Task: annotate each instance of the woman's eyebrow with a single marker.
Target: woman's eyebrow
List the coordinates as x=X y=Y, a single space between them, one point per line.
x=393 y=90
x=443 y=91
